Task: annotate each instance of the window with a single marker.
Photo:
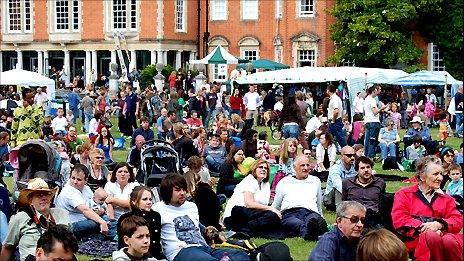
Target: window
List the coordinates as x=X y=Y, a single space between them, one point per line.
x=250 y=9
x=278 y=53
x=66 y=15
x=250 y=55
x=19 y=16
x=279 y=7
x=306 y=8
x=220 y=72
x=436 y=61
x=306 y=58
x=219 y=10
x=180 y=15
x=124 y=15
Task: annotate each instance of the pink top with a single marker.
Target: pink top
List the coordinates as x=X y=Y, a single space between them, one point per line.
x=358 y=128
x=396 y=117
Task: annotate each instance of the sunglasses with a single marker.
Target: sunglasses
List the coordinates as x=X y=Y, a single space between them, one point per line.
x=349 y=155
x=356 y=219
x=99 y=157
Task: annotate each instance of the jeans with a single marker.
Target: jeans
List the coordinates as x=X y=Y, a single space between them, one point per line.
x=88 y=116
x=236 y=112
x=459 y=123
x=291 y=131
x=207 y=253
x=214 y=163
x=75 y=111
x=370 y=138
x=384 y=148
x=89 y=227
x=211 y=114
x=336 y=129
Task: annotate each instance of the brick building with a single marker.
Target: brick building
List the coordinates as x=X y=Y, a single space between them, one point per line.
x=77 y=35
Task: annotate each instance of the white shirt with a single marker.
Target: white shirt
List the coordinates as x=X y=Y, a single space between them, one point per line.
x=41 y=99
x=70 y=198
x=248 y=184
x=290 y=189
x=313 y=124
x=93 y=125
x=179 y=227
x=251 y=101
x=59 y=123
x=334 y=103
x=369 y=104
x=331 y=150
x=358 y=105
x=278 y=106
x=113 y=189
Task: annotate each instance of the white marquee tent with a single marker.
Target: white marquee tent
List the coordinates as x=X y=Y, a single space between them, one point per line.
x=28 y=78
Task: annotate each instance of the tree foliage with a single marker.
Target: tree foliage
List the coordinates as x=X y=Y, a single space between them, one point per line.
x=377 y=33
x=445 y=29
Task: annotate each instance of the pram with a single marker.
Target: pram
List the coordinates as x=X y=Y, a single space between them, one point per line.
x=36 y=159
x=158 y=158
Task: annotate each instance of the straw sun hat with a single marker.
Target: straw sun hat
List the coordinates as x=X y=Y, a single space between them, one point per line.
x=34 y=185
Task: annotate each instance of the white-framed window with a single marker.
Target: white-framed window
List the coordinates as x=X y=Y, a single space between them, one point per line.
x=181 y=15
x=306 y=8
x=124 y=15
x=66 y=15
x=18 y=16
x=306 y=58
x=278 y=53
x=219 y=10
x=250 y=55
x=250 y=9
x=435 y=59
x=279 y=9
x=219 y=72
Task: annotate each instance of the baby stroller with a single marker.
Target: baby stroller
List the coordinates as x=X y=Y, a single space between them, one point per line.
x=158 y=158
x=36 y=159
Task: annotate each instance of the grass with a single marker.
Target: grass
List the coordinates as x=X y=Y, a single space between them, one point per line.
x=299 y=248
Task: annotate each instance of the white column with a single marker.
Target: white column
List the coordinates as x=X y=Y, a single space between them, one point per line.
x=40 y=62
x=165 y=58
x=178 y=63
x=19 y=65
x=46 y=63
x=133 y=63
x=113 y=56
x=159 y=57
x=88 y=70
x=67 y=68
x=152 y=57
x=94 y=61
x=1 y=61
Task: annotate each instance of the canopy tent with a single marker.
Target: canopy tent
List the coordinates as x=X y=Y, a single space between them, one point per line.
x=356 y=78
x=428 y=78
x=265 y=64
x=28 y=78
x=219 y=56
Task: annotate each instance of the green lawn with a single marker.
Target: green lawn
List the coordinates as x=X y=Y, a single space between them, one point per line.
x=299 y=248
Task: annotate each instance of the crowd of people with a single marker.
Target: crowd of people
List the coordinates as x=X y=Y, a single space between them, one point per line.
x=270 y=191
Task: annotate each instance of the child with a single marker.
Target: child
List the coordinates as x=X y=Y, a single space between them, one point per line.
x=135 y=233
x=454 y=187
x=458 y=156
x=59 y=123
x=395 y=115
x=357 y=136
x=444 y=128
x=215 y=153
x=263 y=148
x=70 y=117
x=47 y=130
x=358 y=150
x=421 y=114
x=98 y=203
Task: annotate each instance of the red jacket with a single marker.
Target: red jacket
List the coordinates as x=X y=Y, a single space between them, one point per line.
x=407 y=204
x=236 y=103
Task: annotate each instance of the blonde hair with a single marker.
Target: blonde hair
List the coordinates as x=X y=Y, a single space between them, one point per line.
x=192 y=177
x=284 y=155
x=235 y=118
x=381 y=245
x=96 y=152
x=256 y=164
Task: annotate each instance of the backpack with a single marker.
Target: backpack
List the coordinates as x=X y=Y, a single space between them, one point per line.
x=272 y=251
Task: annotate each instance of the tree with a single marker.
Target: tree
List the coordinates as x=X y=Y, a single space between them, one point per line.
x=445 y=29
x=377 y=33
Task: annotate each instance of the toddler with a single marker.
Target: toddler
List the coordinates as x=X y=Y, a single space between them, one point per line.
x=395 y=115
x=444 y=128
x=99 y=205
x=70 y=117
x=454 y=187
x=47 y=130
x=263 y=148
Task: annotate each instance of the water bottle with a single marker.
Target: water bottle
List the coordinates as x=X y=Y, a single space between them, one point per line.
x=225 y=257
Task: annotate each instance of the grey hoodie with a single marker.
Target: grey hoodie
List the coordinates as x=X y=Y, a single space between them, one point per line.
x=120 y=255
